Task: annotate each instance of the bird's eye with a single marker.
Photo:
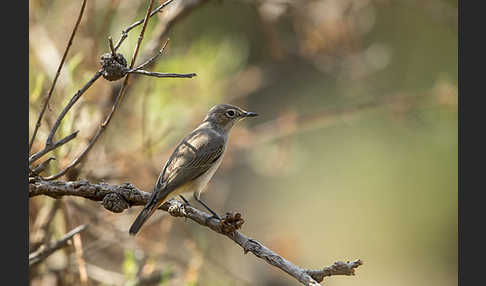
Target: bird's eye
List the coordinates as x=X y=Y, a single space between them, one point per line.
x=230 y=113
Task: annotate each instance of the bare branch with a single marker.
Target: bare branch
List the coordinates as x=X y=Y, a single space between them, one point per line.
x=112 y=49
x=161 y=75
x=42 y=166
x=152 y=58
x=172 y=16
x=38 y=124
x=138 y=70
x=338 y=268
x=70 y=104
x=117 y=198
x=125 y=32
x=115 y=104
x=179 y=10
x=49 y=145
x=53 y=146
x=44 y=251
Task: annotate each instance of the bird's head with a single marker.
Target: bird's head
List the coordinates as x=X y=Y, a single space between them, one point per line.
x=226 y=115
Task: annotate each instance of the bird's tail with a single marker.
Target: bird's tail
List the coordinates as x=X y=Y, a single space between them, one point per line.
x=147 y=211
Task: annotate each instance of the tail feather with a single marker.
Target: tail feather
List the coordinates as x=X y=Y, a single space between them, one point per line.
x=142 y=217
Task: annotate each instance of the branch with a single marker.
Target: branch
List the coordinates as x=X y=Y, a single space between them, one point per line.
x=70 y=104
x=115 y=104
x=125 y=32
x=51 y=147
x=138 y=70
x=161 y=75
x=44 y=252
x=113 y=68
x=38 y=124
x=178 y=11
x=152 y=58
x=117 y=198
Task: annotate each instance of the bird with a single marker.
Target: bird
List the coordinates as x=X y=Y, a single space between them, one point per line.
x=194 y=160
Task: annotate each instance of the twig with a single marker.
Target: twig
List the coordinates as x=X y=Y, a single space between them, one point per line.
x=44 y=252
x=179 y=11
x=70 y=104
x=125 y=32
x=115 y=104
x=51 y=147
x=338 y=268
x=138 y=70
x=42 y=166
x=112 y=49
x=38 y=124
x=172 y=16
x=161 y=75
x=117 y=198
x=152 y=58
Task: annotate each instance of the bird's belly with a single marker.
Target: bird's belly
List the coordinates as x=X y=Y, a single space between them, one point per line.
x=185 y=189
x=203 y=180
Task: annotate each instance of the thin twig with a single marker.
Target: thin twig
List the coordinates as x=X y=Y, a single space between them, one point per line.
x=152 y=58
x=115 y=104
x=112 y=49
x=116 y=198
x=138 y=70
x=44 y=252
x=70 y=104
x=172 y=16
x=38 y=124
x=42 y=166
x=53 y=146
x=162 y=75
x=49 y=146
x=125 y=32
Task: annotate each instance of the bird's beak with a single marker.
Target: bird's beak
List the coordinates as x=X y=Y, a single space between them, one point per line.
x=250 y=114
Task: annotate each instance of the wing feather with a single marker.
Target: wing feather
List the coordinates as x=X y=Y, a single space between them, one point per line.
x=194 y=155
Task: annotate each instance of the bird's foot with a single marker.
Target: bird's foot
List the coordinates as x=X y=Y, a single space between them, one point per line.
x=213 y=214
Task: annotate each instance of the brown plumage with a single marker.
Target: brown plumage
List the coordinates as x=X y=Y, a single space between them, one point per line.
x=194 y=160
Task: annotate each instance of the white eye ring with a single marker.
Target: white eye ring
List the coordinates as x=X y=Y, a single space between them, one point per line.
x=230 y=113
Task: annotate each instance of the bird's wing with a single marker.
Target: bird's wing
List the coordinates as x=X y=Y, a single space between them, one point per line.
x=191 y=158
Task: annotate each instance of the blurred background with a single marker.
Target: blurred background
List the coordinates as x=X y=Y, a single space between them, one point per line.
x=354 y=154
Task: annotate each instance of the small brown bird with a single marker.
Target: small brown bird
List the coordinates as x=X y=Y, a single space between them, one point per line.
x=194 y=161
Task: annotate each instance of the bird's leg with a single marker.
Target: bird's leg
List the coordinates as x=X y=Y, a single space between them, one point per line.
x=196 y=197
x=185 y=201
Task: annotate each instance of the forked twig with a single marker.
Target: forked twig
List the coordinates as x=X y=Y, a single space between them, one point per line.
x=115 y=104
x=70 y=104
x=51 y=147
x=58 y=72
x=138 y=70
x=152 y=58
x=125 y=32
